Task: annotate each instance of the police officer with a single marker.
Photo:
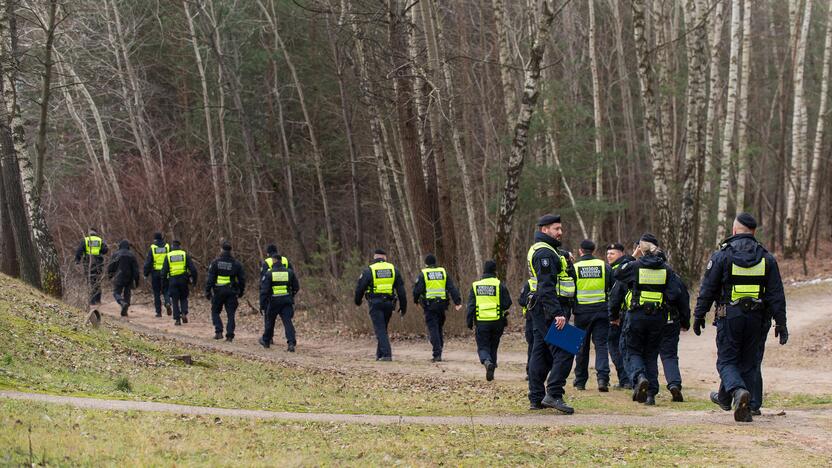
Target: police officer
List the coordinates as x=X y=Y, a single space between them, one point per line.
x=488 y=304
x=744 y=280
x=179 y=269
x=432 y=289
x=551 y=302
x=92 y=249
x=528 y=330
x=272 y=257
x=225 y=284
x=153 y=263
x=653 y=289
x=676 y=321
x=123 y=272
x=383 y=286
x=278 y=288
x=617 y=298
x=592 y=286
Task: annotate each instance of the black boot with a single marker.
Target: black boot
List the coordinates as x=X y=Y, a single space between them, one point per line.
x=716 y=401
x=177 y=322
x=291 y=348
x=557 y=403
x=185 y=318
x=124 y=307
x=676 y=391
x=229 y=339
x=218 y=336
x=603 y=386
x=640 y=390
x=536 y=407
x=489 y=370
x=650 y=400
x=742 y=410
x=168 y=309
x=263 y=343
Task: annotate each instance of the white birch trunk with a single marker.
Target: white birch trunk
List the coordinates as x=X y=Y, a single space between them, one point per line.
x=743 y=158
x=596 y=104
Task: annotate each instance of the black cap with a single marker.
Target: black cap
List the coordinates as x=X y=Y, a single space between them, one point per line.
x=489 y=267
x=430 y=260
x=587 y=245
x=175 y=243
x=124 y=244
x=93 y=231
x=226 y=247
x=379 y=252
x=548 y=219
x=747 y=220
x=157 y=236
x=615 y=246
x=647 y=237
x=271 y=249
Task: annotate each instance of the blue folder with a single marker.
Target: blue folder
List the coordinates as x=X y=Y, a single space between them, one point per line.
x=569 y=339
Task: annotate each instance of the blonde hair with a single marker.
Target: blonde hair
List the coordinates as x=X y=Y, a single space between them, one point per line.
x=648 y=248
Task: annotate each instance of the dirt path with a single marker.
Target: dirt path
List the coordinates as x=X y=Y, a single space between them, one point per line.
x=806 y=419
x=808 y=310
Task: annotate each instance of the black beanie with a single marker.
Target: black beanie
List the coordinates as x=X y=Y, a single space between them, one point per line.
x=647 y=237
x=548 y=219
x=379 y=252
x=175 y=243
x=157 y=236
x=271 y=249
x=226 y=247
x=430 y=260
x=587 y=245
x=490 y=267
x=747 y=220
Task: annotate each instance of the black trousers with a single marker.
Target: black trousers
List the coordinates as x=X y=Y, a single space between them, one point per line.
x=529 y=334
x=488 y=336
x=435 y=322
x=286 y=312
x=224 y=297
x=549 y=366
x=122 y=294
x=596 y=326
x=93 y=274
x=616 y=354
x=757 y=394
x=644 y=336
x=669 y=353
x=178 y=293
x=380 y=313
x=738 y=337
x=160 y=290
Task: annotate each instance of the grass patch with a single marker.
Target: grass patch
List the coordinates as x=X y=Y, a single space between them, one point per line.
x=123 y=385
x=69 y=436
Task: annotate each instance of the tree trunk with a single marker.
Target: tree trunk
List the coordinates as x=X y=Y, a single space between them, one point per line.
x=799 y=138
x=519 y=147
x=456 y=135
x=730 y=121
x=743 y=157
x=209 y=127
x=8 y=250
x=504 y=57
x=651 y=119
x=596 y=105
x=813 y=196
x=45 y=94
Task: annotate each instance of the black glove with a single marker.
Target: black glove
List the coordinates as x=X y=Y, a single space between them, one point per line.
x=240 y=294
x=685 y=324
x=782 y=332
x=470 y=325
x=698 y=325
x=208 y=295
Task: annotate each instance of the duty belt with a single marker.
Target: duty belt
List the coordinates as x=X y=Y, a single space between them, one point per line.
x=748 y=304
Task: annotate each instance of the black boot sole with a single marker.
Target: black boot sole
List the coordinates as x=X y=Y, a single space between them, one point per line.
x=742 y=410
x=640 y=391
x=677 y=395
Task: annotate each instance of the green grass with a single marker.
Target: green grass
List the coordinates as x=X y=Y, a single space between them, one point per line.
x=69 y=436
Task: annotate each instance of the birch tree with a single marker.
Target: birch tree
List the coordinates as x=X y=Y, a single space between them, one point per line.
x=596 y=108
x=519 y=146
x=743 y=157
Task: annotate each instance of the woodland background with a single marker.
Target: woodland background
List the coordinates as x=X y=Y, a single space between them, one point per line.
x=332 y=127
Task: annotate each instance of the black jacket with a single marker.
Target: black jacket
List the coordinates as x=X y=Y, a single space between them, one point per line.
x=505 y=302
x=745 y=251
x=618 y=293
x=226 y=265
x=148 y=261
x=450 y=292
x=123 y=269
x=190 y=269
x=97 y=260
x=675 y=293
x=599 y=307
x=547 y=266
x=266 y=299
x=366 y=280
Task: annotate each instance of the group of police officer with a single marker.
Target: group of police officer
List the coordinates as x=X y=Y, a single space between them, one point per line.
x=172 y=272
x=632 y=308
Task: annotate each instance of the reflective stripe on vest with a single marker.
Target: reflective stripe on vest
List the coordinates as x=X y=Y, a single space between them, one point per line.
x=177 y=260
x=487 y=299
x=591 y=283
x=280 y=283
x=532 y=288
x=435 y=281
x=565 y=284
x=651 y=283
x=270 y=262
x=747 y=282
x=384 y=275
x=223 y=280
x=92 y=245
x=159 y=254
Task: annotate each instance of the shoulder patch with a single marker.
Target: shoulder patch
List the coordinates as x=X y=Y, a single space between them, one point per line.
x=625 y=265
x=710 y=264
x=544 y=262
